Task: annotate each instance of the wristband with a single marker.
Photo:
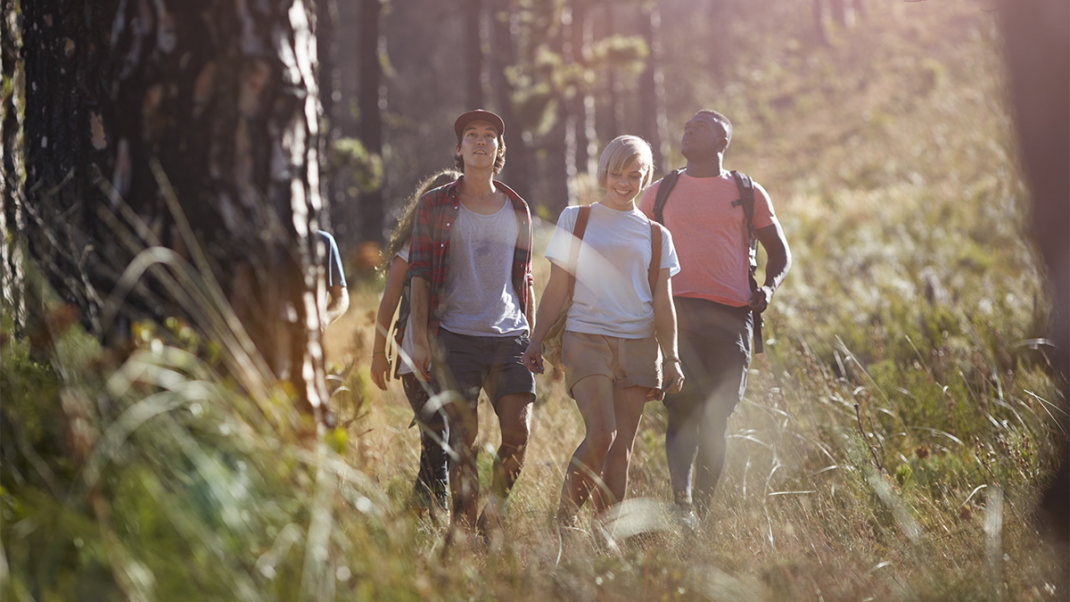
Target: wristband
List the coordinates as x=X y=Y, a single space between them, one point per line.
x=378 y=353
x=671 y=359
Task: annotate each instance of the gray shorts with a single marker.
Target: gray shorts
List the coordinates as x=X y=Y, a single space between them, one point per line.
x=484 y=362
x=715 y=349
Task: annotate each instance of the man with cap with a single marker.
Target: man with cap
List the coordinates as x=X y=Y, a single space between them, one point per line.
x=472 y=305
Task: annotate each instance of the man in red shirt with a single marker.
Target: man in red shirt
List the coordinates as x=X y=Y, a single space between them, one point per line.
x=714 y=301
x=472 y=299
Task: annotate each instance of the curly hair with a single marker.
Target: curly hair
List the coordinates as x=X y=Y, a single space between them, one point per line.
x=403 y=231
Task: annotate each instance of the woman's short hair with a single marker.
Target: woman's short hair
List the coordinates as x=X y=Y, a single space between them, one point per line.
x=499 y=161
x=620 y=151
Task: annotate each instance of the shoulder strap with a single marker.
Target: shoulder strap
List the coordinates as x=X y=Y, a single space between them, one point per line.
x=664 y=189
x=655 y=256
x=574 y=253
x=746 y=198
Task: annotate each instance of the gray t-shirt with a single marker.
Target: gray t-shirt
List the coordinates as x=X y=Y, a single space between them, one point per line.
x=478 y=298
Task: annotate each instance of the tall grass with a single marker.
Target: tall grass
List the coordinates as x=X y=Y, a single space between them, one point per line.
x=891 y=445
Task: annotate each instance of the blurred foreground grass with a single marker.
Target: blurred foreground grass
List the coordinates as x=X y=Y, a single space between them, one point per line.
x=891 y=446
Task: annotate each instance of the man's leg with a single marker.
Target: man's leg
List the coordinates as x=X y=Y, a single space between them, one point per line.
x=685 y=408
x=511 y=386
x=681 y=447
x=464 y=474
x=710 y=457
x=461 y=370
x=729 y=363
x=514 y=418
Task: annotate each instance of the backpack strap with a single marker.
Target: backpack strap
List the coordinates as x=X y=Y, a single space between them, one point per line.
x=574 y=253
x=655 y=256
x=664 y=189
x=746 y=198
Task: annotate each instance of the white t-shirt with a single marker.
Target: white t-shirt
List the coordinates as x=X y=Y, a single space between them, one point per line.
x=612 y=295
x=405 y=365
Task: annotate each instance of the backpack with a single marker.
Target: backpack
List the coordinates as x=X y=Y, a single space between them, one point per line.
x=551 y=344
x=746 y=198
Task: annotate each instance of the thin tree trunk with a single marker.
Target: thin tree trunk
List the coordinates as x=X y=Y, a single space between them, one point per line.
x=614 y=87
x=473 y=21
x=504 y=54
x=371 y=120
x=652 y=90
x=326 y=74
x=586 y=136
x=221 y=96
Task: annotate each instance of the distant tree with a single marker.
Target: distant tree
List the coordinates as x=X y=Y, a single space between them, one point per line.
x=653 y=122
x=371 y=105
x=327 y=77
x=504 y=28
x=218 y=99
x=473 y=45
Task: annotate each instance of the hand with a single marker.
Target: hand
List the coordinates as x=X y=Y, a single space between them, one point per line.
x=380 y=369
x=674 y=376
x=421 y=360
x=532 y=358
x=759 y=301
x=672 y=383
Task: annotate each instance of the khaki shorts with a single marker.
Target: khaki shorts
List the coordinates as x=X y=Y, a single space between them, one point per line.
x=626 y=362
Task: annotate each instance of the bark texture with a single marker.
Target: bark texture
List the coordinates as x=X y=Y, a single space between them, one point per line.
x=218 y=96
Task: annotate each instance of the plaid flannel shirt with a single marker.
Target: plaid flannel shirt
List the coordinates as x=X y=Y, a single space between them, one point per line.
x=429 y=254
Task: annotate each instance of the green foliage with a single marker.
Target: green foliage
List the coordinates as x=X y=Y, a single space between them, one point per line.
x=367 y=167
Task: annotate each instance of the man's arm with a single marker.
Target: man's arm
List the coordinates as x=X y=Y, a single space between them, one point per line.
x=777 y=266
x=529 y=311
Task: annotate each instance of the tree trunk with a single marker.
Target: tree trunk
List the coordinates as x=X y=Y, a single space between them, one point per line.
x=326 y=77
x=586 y=138
x=371 y=120
x=505 y=55
x=652 y=90
x=614 y=89
x=221 y=96
x=12 y=282
x=473 y=46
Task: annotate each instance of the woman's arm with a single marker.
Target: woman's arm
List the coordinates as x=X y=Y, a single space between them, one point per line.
x=553 y=299
x=665 y=330
x=395 y=282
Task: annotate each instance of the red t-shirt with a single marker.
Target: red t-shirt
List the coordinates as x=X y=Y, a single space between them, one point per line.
x=711 y=236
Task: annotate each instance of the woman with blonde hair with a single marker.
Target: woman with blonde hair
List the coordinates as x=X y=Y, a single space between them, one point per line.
x=616 y=265
x=433 y=478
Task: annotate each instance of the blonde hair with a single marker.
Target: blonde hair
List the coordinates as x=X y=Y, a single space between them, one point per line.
x=403 y=231
x=620 y=151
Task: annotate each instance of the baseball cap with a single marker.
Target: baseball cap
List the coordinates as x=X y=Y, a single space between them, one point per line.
x=476 y=115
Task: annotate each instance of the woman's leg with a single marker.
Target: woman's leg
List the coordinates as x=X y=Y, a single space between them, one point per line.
x=432 y=478
x=594 y=397
x=628 y=406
